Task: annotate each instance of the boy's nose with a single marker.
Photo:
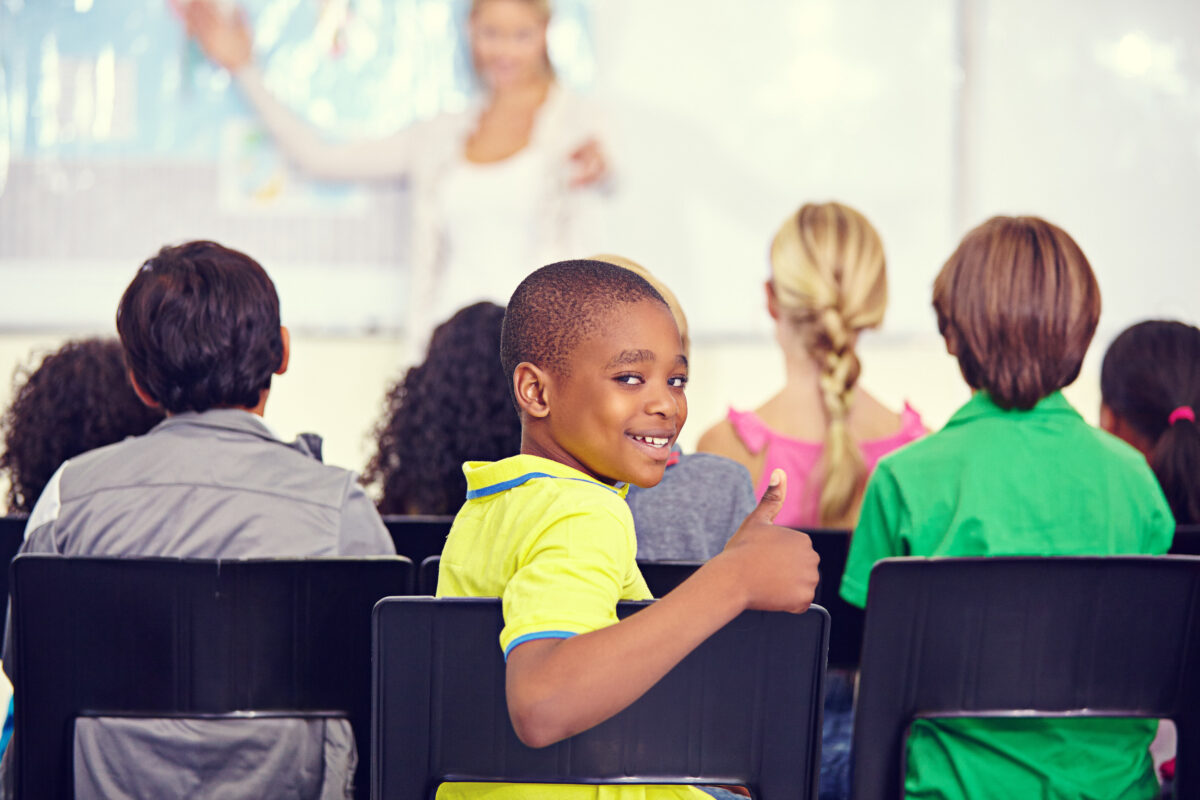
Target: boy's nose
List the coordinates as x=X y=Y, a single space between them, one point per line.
x=662 y=403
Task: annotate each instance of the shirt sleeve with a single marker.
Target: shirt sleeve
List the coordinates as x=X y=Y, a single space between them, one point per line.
x=876 y=536
x=389 y=157
x=568 y=579
x=362 y=530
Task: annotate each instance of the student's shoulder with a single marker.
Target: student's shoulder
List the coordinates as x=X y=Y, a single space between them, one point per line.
x=566 y=497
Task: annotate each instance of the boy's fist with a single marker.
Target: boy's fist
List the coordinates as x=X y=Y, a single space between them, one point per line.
x=777 y=566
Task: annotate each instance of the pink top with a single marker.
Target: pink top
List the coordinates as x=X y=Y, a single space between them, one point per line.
x=798 y=458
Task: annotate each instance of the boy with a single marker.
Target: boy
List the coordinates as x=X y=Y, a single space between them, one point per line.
x=199 y=325
x=1016 y=471
x=598 y=376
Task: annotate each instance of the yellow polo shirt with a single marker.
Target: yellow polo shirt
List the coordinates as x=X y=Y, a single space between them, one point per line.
x=559 y=548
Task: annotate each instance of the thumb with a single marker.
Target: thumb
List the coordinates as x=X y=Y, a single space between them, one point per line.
x=772 y=499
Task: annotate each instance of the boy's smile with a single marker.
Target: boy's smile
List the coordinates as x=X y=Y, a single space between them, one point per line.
x=621 y=404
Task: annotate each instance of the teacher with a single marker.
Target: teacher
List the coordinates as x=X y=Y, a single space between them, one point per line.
x=498 y=190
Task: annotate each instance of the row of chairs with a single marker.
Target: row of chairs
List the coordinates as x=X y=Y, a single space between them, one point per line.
x=420 y=538
x=944 y=637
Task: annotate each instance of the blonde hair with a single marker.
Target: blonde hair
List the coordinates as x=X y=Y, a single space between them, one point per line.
x=541 y=6
x=829 y=277
x=660 y=287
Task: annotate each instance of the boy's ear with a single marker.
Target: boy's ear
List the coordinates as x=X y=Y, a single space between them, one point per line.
x=530 y=385
x=286 y=335
x=142 y=394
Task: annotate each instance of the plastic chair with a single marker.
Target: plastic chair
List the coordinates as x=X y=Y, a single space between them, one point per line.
x=12 y=535
x=427 y=576
x=743 y=708
x=1186 y=541
x=418 y=537
x=845 y=620
x=997 y=637
x=172 y=637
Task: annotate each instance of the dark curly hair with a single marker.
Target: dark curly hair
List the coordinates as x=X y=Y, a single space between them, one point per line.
x=200 y=326
x=75 y=400
x=452 y=408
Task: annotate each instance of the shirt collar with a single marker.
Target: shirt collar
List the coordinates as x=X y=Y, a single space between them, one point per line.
x=492 y=477
x=229 y=419
x=981 y=405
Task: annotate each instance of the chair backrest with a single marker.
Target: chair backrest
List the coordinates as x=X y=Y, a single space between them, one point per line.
x=12 y=535
x=427 y=576
x=1186 y=541
x=743 y=708
x=845 y=620
x=1061 y=636
x=418 y=537
x=173 y=636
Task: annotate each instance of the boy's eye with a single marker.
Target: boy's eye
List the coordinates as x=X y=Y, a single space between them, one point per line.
x=678 y=382
x=629 y=379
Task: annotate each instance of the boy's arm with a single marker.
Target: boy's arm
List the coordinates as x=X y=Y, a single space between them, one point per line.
x=559 y=687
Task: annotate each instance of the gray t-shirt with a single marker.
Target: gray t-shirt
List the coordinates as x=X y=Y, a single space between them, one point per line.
x=692 y=512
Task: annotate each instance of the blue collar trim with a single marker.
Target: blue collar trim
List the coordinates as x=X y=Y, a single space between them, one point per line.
x=504 y=486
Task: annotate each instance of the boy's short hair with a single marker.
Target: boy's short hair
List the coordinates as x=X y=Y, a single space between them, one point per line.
x=1018 y=304
x=558 y=305
x=200 y=328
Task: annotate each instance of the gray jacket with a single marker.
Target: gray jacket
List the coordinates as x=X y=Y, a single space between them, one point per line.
x=216 y=484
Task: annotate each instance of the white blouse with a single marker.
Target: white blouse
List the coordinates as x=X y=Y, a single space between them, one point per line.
x=478 y=229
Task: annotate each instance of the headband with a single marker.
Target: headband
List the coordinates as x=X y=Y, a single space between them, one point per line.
x=1183 y=412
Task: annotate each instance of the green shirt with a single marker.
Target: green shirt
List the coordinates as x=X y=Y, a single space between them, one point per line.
x=997 y=482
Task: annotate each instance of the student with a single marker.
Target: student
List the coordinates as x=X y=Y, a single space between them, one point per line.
x=1150 y=390
x=598 y=373
x=828 y=284
x=452 y=407
x=77 y=399
x=1016 y=471
x=201 y=333
x=703 y=497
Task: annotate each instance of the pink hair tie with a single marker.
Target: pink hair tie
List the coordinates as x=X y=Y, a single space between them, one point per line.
x=1183 y=412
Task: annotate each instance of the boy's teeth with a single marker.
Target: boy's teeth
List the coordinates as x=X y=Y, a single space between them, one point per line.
x=656 y=441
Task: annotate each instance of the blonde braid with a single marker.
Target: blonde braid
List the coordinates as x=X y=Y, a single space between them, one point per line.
x=829 y=276
x=843 y=470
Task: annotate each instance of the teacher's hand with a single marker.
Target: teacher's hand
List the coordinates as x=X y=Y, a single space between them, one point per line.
x=223 y=36
x=588 y=165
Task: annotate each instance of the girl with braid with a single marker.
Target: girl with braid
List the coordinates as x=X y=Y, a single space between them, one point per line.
x=828 y=283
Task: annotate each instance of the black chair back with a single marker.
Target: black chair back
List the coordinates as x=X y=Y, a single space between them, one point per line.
x=1186 y=541
x=177 y=637
x=418 y=537
x=845 y=620
x=984 y=637
x=12 y=535
x=743 y=708
x=427 y=576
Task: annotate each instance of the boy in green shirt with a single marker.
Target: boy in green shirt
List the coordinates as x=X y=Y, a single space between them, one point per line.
x=1016 y=471
x=598 y=376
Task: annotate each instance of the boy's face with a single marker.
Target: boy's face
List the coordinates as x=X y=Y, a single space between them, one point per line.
x=618 y=411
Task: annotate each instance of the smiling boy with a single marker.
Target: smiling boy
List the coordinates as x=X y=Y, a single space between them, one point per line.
x=598 y=376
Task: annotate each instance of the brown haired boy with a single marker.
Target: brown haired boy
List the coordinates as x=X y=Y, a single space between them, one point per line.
x=598 y=375
x=1016 y=471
